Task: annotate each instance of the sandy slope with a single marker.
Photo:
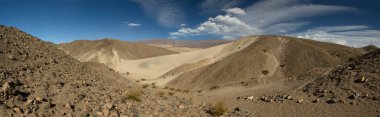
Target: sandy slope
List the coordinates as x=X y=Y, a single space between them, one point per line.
x=153 y=68
x=176 y=49
x=186 y=43
x=111 y=51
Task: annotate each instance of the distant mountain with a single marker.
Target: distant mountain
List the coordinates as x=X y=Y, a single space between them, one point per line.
x=186 y=43
x=111 y=51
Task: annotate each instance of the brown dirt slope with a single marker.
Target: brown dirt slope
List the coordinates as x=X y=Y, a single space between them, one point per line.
x=358 y=78
x=186 y=43
x=271 y=58
x=111 y=51
x=37 y=78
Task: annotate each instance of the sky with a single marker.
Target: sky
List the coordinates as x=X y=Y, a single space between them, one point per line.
x=347 y=22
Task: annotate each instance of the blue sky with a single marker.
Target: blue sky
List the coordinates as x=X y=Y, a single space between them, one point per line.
x=348 y=22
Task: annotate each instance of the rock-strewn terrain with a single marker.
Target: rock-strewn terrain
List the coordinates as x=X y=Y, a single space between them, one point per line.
x=37 y=79
x=358 y=79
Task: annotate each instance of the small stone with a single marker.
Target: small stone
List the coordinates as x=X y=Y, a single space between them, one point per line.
x=375 y=98
x=331 y=101
x=352 y=103
x=249 y=98
x=18 y=110
x=288 y=97
x=354 y=96
x=69 y=106
x=99 y=113
x=39 y=99
x=300 y=101
x=30 y=100
x=108 y=106
x=237 y=109
x=316 y=101
x=365 y=95
x=6 y=89
x=106 y=109
x=19 y=97
x=114 y=113
x=12 y=57
x=181 y=106
x=45 y=105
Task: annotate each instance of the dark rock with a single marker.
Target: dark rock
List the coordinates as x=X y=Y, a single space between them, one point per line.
x=237 y=109
x=332 y=101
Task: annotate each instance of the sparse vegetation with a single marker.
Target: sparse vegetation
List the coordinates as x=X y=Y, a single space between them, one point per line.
x=218 y=109
x=166 y=88
x=186 y=91
x=171 y=89
x=145 y=86
x=214 y=87
x=265 y=72
x=351 y=59
x=178 y=90
x=199 y=91
x=154 y=86
x=137 y=81
x=160 y=94
x=143 y=79
x=171 y=93
x=134 y=95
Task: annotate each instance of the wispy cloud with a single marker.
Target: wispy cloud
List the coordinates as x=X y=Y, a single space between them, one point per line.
x=357 y=35
x=211 y=7
x=284 y=17
x=133 y=24
x=168 y=13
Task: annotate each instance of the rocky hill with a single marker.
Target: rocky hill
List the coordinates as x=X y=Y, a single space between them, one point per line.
x=269 y=59
x=355 y=80
x=37 y=79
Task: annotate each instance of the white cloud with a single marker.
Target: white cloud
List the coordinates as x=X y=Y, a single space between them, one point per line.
x=133 y=24
x=345 y=35
x=168 y=13
x=264 y=17
x=220 y=25
x=341 y=28
x=182 y=25
x=235 y=11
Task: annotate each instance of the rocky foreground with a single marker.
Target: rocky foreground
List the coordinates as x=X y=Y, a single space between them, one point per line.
x=37 y=79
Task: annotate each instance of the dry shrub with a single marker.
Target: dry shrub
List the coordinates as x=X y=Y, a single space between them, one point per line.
x=218 y=109
x=134 y=95
x=214 y=87
x=160 y=94
x=265 y=72
x=145 y=86
x=171 y=93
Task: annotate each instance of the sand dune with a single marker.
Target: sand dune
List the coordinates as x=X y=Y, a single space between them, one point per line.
x=186 y=43
x=153 y=68
x=176 y=49
x=111 y=51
